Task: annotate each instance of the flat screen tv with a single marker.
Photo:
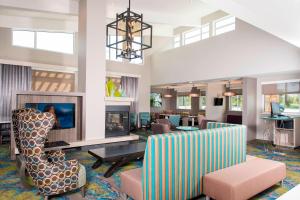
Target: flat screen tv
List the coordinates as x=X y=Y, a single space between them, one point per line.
x=64 y=113
x=218 y=101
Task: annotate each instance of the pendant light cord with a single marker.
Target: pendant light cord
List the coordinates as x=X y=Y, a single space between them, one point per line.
x=129 y=4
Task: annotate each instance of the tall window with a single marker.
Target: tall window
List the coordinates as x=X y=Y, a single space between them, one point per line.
x=184 y=102
x=291 y=102
x=49 y=41
x=202 y=102
x=192 y=36
x=137 y=46
x=23 y=39
x=236 y=103
x=205 y=31
x=111 y=53
x=177 y=41
x=224 y=25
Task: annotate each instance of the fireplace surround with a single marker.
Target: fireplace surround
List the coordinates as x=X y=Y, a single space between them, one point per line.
x=117 y=121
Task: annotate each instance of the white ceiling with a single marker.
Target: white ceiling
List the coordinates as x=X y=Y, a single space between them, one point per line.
x=163 y=15
x=172 y=12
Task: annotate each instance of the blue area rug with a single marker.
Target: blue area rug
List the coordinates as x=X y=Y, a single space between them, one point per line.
x=98 y=188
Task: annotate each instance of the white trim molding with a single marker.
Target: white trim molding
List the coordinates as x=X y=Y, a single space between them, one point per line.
x=119 y=74
x=41 y=66
x=118 y=101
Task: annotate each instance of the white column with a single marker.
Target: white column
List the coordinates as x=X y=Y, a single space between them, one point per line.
x=250 y=106
x=91 y=65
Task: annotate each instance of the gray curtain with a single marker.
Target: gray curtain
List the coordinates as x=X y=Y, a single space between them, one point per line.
x=130 y=87
x=12 y=78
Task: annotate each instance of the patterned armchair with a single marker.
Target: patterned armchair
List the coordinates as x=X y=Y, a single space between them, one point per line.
x=53 y=156
x=51 y=178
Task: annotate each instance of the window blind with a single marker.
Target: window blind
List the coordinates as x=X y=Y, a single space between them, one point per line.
x=281 y=88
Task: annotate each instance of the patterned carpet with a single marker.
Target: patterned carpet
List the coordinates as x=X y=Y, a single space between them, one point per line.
x=98 y=188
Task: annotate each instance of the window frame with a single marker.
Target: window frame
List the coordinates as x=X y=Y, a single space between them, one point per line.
x=241 y=102
x=133 y=61
x=265 y=110
x=191 y=37
x=200 y=103
x=177 y=42
x=226 y=25
x=35 y=40
x=202 y=27
x=184 y=38
x=19 y=30
x=184 y=106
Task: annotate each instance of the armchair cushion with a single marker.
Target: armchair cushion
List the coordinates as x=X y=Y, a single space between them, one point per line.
x=56 y=156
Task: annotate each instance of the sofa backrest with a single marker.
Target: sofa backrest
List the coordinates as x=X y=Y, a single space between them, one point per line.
x=175 y=163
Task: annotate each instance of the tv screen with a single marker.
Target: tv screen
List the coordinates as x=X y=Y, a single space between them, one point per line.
x=218 y=101
x=64 y=113
x=155 y=100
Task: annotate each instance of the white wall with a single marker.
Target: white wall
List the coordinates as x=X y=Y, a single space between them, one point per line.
x=9 y=52
x=13 y=53
x=215 y=112
x=260 y=105
x=144 y=81
x=144 y=70
x=244 y=52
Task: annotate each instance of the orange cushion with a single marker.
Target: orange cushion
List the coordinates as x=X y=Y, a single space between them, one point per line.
x=245 y=180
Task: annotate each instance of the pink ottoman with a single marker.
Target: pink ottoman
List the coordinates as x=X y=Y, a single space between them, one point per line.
x=243 y=181
x=131 y=183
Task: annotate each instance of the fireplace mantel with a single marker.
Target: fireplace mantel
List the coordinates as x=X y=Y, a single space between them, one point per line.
x=118 y=101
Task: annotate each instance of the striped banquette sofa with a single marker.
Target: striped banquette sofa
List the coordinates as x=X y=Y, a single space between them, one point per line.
x=175 y=163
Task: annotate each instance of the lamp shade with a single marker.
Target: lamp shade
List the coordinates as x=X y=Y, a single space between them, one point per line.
x=168 y=93
x=229 y=93
x=194 y=92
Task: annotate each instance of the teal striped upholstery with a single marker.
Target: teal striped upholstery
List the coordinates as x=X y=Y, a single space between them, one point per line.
x=211 y=125
x=175 y=163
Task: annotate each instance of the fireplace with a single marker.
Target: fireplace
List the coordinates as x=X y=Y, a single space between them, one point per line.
x=117 y=121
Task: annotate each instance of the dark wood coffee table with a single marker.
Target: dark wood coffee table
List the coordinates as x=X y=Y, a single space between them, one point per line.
x=118 y=155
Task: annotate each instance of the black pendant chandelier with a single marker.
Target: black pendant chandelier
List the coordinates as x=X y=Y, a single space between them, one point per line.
x=129 y=30
x=229 y=92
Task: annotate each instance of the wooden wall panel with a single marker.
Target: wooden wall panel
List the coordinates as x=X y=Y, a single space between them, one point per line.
x=76 y=134
x=68 y=135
